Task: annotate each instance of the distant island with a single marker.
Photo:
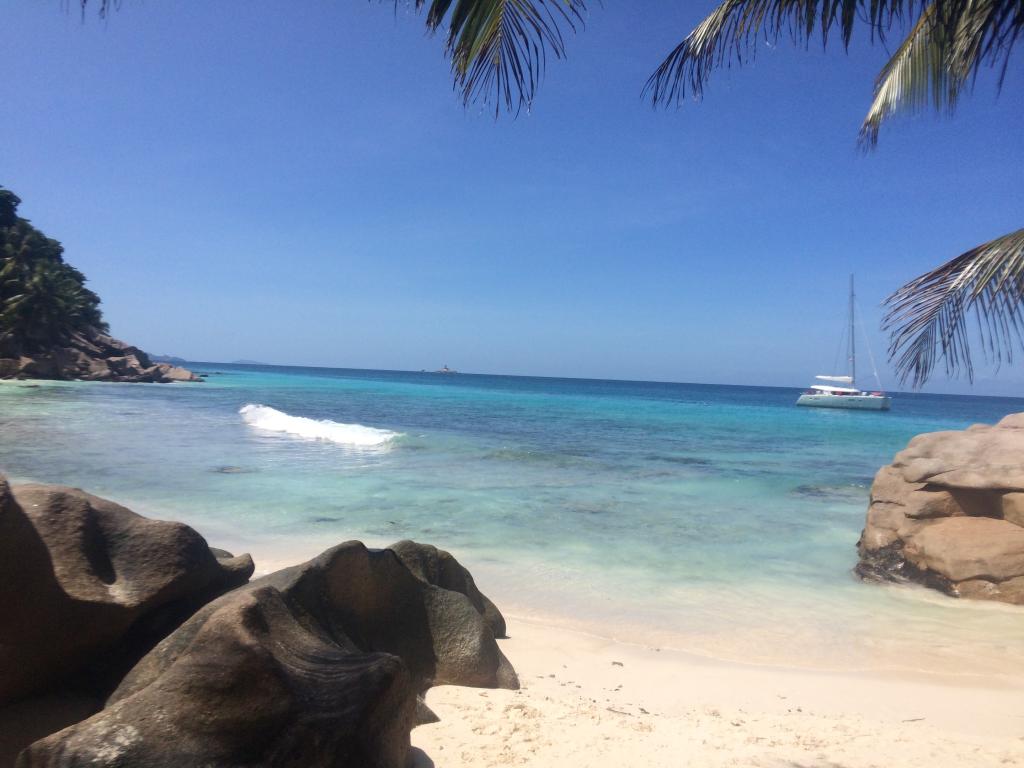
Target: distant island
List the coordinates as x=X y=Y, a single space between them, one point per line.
x=51 y=326
x=168 y=359
x=247 y=362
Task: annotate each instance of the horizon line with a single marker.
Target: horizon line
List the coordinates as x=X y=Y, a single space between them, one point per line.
x=564 y=378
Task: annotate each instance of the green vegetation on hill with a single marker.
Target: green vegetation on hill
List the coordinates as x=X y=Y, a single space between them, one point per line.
x=43 y=299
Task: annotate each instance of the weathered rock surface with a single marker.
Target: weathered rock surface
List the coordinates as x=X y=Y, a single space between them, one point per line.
x=437 y=567
x=948 y=513
x=94 y=358
x=87 y=586
x=319 y=664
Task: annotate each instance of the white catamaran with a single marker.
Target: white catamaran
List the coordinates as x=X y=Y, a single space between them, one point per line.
x=842 y=391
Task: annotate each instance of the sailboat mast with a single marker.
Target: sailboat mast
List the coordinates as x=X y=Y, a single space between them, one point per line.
x=853 y=344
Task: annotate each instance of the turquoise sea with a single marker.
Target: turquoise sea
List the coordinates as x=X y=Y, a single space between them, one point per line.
x=717 y=519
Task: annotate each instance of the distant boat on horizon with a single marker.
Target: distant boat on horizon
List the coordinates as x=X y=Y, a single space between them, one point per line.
x=445 y=369
x=835 y=395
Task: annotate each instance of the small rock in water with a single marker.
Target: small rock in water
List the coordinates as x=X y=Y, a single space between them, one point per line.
x=229 y=469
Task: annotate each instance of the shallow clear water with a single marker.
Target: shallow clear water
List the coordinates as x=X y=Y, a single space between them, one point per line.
x=718 y=519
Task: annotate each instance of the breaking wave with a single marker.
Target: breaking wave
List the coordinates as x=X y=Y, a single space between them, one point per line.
x=273 y=420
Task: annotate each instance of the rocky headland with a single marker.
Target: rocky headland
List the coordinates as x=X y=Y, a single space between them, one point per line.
x=51 y=326
x=949 y=513
x=129 y=642
x=90 y=357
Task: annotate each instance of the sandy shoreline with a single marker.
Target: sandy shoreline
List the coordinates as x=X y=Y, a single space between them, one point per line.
x=589 y=701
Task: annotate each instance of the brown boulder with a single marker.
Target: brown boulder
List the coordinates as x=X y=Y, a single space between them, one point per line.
x=92 y=357
x=1009 y=591
x=170 y=372
x=373 y=597
x=41 y=367
x=254 y=685
x=319 y=664
x=88 y=586
x=980 y=458
x=947 y=513
x=966 y=548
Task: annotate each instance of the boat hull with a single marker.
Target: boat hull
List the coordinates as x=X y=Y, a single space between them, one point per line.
x=852 y=402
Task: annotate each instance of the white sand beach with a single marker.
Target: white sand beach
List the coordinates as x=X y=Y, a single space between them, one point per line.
x=588 y=701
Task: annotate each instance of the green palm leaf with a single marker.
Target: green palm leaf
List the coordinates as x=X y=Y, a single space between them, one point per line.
x=928 y=317
x=732 y=32
x=499 y=48
x=917 y=75
x=983 y=33
x=942 y=54
x=948 y=44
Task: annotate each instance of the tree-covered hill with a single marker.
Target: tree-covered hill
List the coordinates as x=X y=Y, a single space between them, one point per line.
x=43 y=299
x=51 y=326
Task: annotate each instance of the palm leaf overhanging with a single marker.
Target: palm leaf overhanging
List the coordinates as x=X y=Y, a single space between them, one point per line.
x=948 y=44
x=916 y=76
x=498 y=48
x=928 y=317
x=732 y=32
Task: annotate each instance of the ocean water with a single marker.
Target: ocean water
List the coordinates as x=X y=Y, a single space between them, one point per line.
x=720 y=520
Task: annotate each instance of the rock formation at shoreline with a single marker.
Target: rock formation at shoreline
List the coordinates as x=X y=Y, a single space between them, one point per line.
x=51 y=326
x=949 y=513
x=324 y=663
x=87 y=587
x=90 y=357
x=318 y=664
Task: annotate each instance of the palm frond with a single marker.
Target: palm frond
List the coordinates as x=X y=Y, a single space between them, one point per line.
x=499 y=48
x=732 y=32
x=984 y=33
x=949 y=43
x=941 y=56
x=102 y=6
x=917 y=75
x=928 y=317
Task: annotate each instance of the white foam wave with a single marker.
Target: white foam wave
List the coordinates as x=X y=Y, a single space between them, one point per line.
x=273 y=420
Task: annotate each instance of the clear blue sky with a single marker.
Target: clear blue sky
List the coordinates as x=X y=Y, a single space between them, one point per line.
x=297 y=183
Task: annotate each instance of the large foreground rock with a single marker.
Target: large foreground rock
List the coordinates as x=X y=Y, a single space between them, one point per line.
x=948 y=513
x=315 y=665
x=87 y=586
x=93 y=357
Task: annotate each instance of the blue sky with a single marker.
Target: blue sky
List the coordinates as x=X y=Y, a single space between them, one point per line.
x=297 y=183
